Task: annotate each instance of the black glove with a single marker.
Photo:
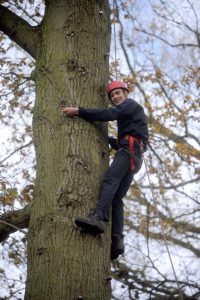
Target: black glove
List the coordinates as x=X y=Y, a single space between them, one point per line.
x=113 y=142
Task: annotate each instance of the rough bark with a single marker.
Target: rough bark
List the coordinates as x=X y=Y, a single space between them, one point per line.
x=14 y=220
x=71 y=154
x=18 y=30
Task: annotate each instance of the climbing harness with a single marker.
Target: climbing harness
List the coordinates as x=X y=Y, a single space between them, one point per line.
x=131 y=141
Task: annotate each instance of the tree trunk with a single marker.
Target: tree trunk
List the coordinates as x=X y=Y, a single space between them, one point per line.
x=71 y=154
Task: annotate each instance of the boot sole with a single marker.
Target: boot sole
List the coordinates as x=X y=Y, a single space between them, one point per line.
x=88 y=227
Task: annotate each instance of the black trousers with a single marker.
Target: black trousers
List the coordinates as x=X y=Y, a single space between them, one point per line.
x=115 y=185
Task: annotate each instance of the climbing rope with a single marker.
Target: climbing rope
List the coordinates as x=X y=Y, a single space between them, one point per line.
x=163 y=232
x=115 y=42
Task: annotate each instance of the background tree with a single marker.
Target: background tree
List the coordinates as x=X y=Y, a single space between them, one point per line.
x=158 y=55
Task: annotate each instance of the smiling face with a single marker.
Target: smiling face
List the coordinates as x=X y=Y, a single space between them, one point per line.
x=118 y=96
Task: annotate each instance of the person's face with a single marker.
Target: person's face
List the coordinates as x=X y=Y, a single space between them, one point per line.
x=118 y=96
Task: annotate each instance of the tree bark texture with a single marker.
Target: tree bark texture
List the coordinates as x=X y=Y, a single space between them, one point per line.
x=71 y=154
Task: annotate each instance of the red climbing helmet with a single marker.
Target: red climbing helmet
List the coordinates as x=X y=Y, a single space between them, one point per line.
x=116 y=85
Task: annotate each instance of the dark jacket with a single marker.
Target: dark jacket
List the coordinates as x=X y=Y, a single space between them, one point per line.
x=130 y=116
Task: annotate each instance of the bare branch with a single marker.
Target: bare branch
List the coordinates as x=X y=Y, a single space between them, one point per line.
x=195 y=14
x=173 y=136
x=18 y=30
x=176 y=241
x=28 y=15
x=16 y=150
x=173 y=186
x=13 y=226
x=157 y=289
x=14 y=220
x=15 y=89
x=183 y=45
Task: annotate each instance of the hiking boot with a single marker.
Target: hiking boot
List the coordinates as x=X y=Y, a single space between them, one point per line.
x=117 y=245
x=93 y=223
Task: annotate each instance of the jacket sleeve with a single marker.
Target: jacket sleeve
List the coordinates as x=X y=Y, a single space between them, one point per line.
x=98 y=114
x=108 y=114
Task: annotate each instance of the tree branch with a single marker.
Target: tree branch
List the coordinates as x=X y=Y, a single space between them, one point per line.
x=13 y=152
x=183 y=45
x=161 y=129
x=18 y=30
x=14 y=220
x=157 y=289
x=179 y=242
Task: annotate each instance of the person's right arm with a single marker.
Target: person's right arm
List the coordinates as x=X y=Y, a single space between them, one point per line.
x=98 y=114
